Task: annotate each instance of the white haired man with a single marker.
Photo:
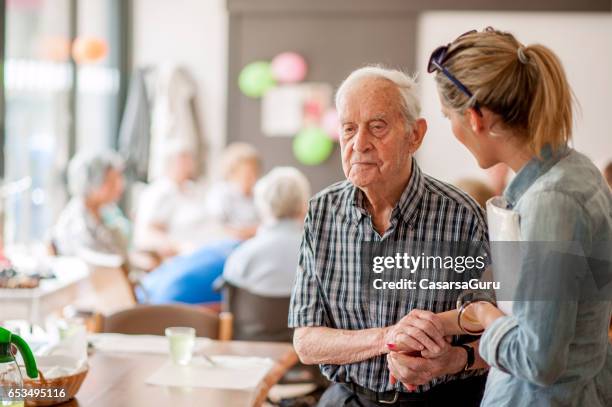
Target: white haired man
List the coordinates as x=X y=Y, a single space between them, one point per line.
x=386 y=197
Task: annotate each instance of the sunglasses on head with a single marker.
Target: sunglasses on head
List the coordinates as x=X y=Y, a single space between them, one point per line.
x=436 y=63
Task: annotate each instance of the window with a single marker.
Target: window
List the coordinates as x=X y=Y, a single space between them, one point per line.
x=97 y=106
x=37 y=86
x=62 y=93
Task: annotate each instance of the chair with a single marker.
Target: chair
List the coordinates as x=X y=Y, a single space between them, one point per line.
x=260 y=318
x=108 y=290
x=154 y=319
x=257 y=318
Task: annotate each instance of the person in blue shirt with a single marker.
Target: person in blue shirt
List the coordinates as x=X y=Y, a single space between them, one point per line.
x=189 y=278
x=512 y=103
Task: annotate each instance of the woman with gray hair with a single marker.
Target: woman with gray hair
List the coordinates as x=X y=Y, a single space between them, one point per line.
x=258 y=276
x=88 y=227
x=265 y=265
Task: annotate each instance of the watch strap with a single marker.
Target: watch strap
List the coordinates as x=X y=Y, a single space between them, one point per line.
x=471 y=358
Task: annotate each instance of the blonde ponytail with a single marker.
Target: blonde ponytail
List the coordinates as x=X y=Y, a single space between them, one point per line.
x=525 y=86
x=550 y=115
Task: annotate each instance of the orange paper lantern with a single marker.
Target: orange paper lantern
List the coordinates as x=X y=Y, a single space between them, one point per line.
x=89 y=49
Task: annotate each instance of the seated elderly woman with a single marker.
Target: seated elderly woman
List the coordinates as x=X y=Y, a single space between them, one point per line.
x=260 y=273
x=230 y=202
x=92 y=226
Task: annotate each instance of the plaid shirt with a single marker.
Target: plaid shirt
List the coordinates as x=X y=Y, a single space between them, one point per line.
x=328 y=290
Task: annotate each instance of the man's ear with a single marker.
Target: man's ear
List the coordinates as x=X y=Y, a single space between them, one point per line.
x=419 y=128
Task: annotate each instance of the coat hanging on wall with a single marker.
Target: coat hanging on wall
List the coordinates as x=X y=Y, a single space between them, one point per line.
x=135 y=129
x=173 y=119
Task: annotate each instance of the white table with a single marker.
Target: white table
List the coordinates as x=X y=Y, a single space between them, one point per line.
x=51 y=296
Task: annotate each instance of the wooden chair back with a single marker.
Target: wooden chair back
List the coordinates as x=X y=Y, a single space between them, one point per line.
x=154 y=319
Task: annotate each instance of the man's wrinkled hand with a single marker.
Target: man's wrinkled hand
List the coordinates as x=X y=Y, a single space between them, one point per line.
x=414 y=370
x=419 y=331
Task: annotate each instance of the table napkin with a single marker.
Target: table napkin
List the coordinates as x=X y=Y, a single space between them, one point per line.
x=228 y=372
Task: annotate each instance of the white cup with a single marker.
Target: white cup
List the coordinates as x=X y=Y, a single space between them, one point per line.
x=181 y=341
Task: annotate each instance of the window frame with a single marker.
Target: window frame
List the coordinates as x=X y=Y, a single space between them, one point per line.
x=120 y=11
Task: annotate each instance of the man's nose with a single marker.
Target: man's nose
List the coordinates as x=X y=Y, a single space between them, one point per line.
x=362 y=141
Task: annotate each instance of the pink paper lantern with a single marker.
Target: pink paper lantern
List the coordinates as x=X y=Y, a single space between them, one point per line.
x=331 y=124
x=289 y=67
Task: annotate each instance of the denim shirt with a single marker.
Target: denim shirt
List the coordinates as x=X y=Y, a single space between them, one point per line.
x=555 y=353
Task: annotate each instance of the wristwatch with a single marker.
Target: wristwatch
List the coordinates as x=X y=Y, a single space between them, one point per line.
x=470 y=357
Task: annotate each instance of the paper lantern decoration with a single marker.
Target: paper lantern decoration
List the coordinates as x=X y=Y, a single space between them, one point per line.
x=55 y=48
x=88 y=49
x=313 y=110
x=289 y=67
x=331 y=124
x=312 y=146
x=256 y=79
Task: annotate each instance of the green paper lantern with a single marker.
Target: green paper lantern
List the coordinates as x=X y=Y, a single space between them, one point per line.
x=256 y=79
x=312 y=146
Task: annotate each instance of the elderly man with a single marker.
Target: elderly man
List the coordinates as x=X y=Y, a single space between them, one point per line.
x=386 y=197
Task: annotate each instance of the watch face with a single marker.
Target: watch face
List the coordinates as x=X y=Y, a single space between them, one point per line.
x=469 y=296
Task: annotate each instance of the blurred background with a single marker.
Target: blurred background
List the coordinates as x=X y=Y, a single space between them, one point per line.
x=68 y=64
x=141 y=140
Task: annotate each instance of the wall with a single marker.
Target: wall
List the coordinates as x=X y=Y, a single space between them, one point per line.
x=583 y=42
x=334 y=43
x=192 y=33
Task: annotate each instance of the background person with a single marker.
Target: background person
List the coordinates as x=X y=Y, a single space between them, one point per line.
x=230 y=202
x=259 y=274
x=607 y=172
x=91 y=226
x=171 y=208
x=477 y=189
x=266 y=264
x=187 y=278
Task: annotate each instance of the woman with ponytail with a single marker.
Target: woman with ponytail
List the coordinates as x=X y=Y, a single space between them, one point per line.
x=510 y=103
